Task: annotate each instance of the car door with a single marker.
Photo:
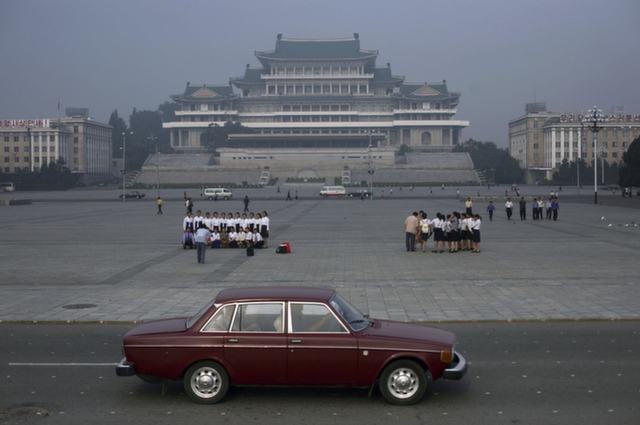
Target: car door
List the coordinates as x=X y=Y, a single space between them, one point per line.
x=255 y=346
x=321 y=350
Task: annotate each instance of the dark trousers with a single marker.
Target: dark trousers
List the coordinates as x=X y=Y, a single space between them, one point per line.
x=410 y=240
x=509 y=213
x=201 y=248
x=523 y=214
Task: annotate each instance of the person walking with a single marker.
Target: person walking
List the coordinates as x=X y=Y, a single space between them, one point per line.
x=469 y=205
x=159 y=201
x=523 y=209
x=410 y=229
x=490 y=209
x=508 y=206
x=246 y=203
x=288 y=196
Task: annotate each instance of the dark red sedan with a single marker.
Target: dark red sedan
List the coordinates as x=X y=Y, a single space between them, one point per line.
x=289 y=336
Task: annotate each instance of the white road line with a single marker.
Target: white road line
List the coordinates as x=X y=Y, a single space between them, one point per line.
x=62 y=364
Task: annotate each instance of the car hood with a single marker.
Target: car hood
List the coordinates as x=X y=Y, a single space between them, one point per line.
x=160 y=326
x=391 y=330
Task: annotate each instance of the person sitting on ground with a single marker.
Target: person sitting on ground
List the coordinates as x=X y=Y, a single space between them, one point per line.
x=188 y=239
x=249 y=237
x=224 y=239
x=257 y=241
x=233 y=238
x=215 y=238
x=242 y=238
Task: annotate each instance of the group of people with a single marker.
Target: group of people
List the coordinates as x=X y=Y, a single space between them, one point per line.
x=460 y=231
x=539 y=208
x=224 y=231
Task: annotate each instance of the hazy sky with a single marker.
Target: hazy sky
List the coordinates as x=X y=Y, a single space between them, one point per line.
x=500 y=54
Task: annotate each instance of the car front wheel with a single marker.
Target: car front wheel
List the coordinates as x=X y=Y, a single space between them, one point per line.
x=403 y=382
x=206 y=382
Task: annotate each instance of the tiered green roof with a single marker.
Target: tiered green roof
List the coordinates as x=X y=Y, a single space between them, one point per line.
x=204 y=92
x=296 y=49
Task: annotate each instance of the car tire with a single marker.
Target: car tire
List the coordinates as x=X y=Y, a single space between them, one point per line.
x=210 y=198
x=226 y=198
x=403 y=382
x=206 y=382
x=137 y=197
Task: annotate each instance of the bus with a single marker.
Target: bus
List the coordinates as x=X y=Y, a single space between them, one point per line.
x=7 y=187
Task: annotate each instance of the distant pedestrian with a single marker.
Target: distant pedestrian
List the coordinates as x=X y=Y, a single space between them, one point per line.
x=296 y=195
x=246 y=203
x=508 y=207
x=159 y=201
x=288 y=196
x=523 y=209
x=469 y=205
x=490 y=209
x=278 y=191
x=554 y=208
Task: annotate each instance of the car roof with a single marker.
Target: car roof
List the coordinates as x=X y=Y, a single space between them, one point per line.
x=274 y=293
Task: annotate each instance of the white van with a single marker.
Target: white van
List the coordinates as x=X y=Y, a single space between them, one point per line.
x=217 y=193
x=338 y=191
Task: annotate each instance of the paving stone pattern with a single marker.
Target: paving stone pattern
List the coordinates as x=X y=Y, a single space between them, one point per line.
x=86 y=248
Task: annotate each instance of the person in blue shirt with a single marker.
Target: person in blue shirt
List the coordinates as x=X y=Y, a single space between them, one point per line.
x=201 y=243
x=490 y=209
x=554 y=208
x=187 y=239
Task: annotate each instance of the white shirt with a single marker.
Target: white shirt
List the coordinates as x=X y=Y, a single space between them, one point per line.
x=265 y=223
x=509 y=204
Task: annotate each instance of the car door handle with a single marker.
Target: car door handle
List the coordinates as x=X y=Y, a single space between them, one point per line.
x=296 y=341
x=232 y=340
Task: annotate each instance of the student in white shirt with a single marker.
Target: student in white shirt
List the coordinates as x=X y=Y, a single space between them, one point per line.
x=264 y=229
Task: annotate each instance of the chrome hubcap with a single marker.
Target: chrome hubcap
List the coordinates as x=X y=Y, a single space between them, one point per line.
x=403 y=383
x=206 y=382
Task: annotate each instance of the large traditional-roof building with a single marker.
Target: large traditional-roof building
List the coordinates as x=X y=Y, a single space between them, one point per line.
x=320 y=94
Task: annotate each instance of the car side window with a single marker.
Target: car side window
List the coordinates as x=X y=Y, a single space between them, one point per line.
x=221 y=320
x=258 y=317
x=313 y=318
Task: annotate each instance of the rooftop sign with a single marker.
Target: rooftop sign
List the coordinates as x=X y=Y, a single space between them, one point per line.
x=24 y=123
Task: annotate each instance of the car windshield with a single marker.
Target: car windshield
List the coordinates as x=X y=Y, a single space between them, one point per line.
x=193 y=319
x=356 y=320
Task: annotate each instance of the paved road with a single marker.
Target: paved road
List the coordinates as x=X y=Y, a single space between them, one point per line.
x=549 y=373
x=84 y=256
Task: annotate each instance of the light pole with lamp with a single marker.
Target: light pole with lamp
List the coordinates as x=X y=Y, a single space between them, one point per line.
x=155 y=140
x=594 y=116
x=371 y=171
x=124 y=165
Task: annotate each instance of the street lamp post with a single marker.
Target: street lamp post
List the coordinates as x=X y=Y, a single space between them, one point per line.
x=155 y=140
x=371 y=171
x=594 y=116
x=124 y=165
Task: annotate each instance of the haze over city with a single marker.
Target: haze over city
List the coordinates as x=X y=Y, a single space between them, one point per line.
x=500 y=54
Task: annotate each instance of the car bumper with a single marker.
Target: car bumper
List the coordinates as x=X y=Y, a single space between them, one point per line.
x=457 y=368
x=125 y=368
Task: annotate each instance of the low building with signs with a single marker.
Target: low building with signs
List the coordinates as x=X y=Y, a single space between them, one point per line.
x=541 y=140
x=318 y=95
x=83 y=144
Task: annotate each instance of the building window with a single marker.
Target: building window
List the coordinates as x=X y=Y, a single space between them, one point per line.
x=535 y=136
x=16 y=149
x=6 y=138
x=566 y=145
x=625 y=144
x=6 y=159
x=614 y=144
x=75 y=128
x=26 y=159
x=535 y=145
x=558 y=155
x=558 y=145
x=614 y=154
x=6 y=148
x=16 y=138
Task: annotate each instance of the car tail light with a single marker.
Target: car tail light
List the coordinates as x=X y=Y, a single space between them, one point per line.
x=446 y=356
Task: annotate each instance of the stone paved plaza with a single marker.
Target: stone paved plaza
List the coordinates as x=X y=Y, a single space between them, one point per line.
x=84 y=256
